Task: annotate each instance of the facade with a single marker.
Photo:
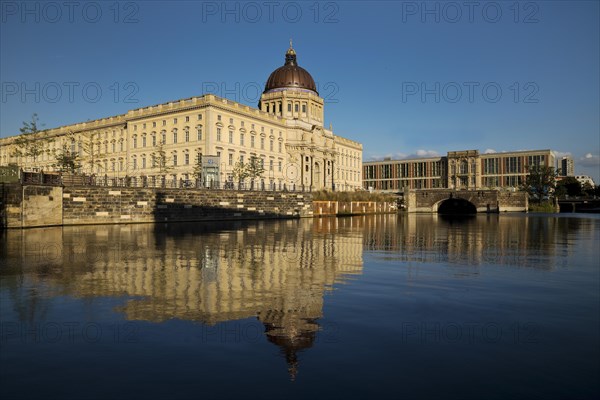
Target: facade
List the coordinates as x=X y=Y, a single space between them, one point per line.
x=567 y=167
x=167 y=142
x=457 y=170
x=585 y=180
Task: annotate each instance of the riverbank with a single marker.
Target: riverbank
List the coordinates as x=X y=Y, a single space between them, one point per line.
x=28 y=206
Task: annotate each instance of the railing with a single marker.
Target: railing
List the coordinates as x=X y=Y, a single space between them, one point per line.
x=159 y=182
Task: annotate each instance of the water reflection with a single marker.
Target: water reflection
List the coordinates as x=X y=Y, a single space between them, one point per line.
x=277 y=272
x=541 y=242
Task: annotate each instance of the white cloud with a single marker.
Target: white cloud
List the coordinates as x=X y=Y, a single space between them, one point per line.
x=489 y=151
x=589 y=160
x=404 y=156
x=560 y=154
x=427 y=153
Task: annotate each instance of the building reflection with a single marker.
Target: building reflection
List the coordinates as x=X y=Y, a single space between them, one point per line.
x=277 y=272
x=464 y=243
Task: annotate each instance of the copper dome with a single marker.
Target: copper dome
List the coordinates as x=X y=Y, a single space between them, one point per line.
x=290 y=76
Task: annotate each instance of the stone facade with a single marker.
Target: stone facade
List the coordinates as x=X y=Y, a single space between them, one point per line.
x=460 y=170
x=30 y=206
x=167 y=142
x=332 y=208
x=429 y=201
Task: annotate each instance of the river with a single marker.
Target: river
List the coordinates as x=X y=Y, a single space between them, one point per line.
x=380 y=306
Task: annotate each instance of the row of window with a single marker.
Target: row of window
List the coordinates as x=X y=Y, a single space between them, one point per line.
x=164 y=122
x=404 y=170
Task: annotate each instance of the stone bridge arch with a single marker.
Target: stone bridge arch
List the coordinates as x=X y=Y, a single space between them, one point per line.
x=430 y=200
x=454 y=205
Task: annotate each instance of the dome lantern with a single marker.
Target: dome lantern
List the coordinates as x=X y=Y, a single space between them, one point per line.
x=290 y=76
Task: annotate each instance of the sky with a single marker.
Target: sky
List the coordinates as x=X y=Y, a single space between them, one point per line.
x=404 y=78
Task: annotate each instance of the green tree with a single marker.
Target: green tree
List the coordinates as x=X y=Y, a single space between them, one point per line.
x=255 y=168
x=27 y=144
x=540 y=182
x=197 y=171
x=568 y=186
x=240 y=172
x=160 y=160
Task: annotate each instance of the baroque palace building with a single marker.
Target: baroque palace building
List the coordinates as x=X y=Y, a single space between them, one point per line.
x=459 y=170
x=286 y=133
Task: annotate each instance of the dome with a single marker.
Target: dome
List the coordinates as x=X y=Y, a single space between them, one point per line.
x=290 y=76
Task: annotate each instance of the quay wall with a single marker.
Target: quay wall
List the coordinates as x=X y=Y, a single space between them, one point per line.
x=39 y=205
x=328 y=208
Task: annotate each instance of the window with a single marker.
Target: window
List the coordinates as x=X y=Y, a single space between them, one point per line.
x=164 y=122
x=270 y=165
x=199 y=133
x=187 y=159
x=296 y=107
x=175 y=136
x=218 y=134
x=242 y=158
x=144 y=141
x=230 y=158
x=231 y=121
x=289 y=107
x=535 y=161
x=218 y=117
x=153 y=140
x=187 y=135
x=512 y=165
x=174 y=121
x=280 y=147
x=241 y=139
x=144 y=162
x=490 y=167
x=154 y=124
x=230 y=136
x=199 y=116
x=134 y=163
x=252 y=141
x=175 y=160
x=279 y=166
x=135 y=128
x=164 y=137
x=187 y=119
x=262 y=143
x=219 y=154
x=144 y=125
x=121 y=144
x=242 y=123
x=134 y=142
x=304 y=108
x=270 y=145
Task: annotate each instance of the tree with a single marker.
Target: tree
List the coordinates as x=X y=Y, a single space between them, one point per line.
x=27 y=144
x=67 y=161
x=240 y=172
x=255 y=168
x=540 y=182
x=568 y=186
x=160 y=160
x=197 y=171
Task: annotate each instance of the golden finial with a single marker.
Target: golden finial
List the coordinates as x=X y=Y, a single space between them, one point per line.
x=291 y=50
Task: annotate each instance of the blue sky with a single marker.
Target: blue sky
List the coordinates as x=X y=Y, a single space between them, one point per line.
x=404 y=78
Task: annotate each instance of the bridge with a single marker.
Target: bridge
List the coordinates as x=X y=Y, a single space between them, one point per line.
x=446 y=201
x=591 y=205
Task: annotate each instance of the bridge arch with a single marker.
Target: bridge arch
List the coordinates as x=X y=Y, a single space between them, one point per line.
x=456 y=206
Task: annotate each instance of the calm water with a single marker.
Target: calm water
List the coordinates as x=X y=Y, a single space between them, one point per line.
x=362 y=307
